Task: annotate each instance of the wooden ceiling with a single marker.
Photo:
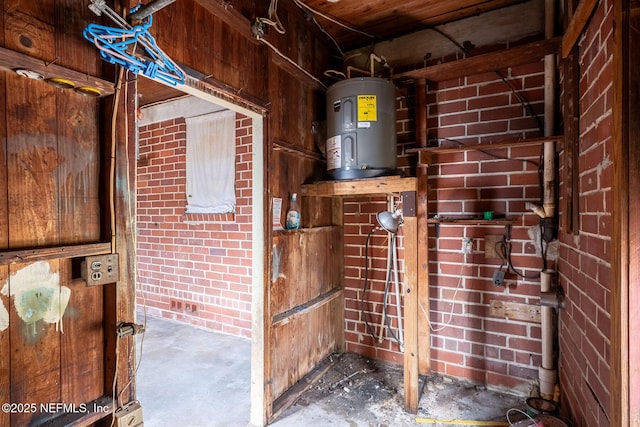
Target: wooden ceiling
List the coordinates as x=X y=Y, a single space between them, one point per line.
x=387 y=19
x=383 y=19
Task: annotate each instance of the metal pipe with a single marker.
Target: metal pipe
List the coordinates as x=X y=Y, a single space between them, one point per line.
x=398 y=293
x=149 y=9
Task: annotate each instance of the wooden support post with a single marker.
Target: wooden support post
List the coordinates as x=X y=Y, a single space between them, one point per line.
x=424 y=333
x=337 y=213
x=620 y=256
x=571 y=95
x=411 y=373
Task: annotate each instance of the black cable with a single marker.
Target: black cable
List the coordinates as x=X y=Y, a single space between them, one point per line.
x=524 y=102
x=503 y=249
x=543 y=248
x=495 y=156
x=386 y=291
x=365 y=285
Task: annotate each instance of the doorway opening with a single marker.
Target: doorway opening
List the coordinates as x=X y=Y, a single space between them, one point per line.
x=196 y=267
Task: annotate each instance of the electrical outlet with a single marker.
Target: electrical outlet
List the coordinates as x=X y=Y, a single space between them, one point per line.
x=498 y=277
x=100 y=269
x=467 y=245
x=129 y=415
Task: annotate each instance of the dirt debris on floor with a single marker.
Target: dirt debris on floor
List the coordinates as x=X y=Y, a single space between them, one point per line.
x=365 y=392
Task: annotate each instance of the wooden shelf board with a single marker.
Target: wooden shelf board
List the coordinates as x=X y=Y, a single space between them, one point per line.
x=425 y=153
x=487 y=62
x=471 y=221
x=305 y=230
x=489 y=146
x=8 y=257
x=287 y=316
x=12 y=60
x=360 y=187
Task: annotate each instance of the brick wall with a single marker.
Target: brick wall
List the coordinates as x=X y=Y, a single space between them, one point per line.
x=192 y=268
x=466 y=340
x=585 y=257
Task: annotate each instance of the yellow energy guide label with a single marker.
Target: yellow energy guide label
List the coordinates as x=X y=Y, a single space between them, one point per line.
x=367 y=108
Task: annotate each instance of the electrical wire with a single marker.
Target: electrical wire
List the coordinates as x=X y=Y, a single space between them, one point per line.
x=273 y=19
x=520 y=412
x=495 y=156
x=292 y=62
x=523 y=101
x=135 y=274
x=321 y=28
x=503 y=250
x=365 y=286
x=112 y=209
x=302 y=5
x=385 y=315
x=453 y=305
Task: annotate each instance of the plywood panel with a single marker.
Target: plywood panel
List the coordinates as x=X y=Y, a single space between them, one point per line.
x=82 y=345
x=32 y=162
x=199 y=31
x=41 y=10
x=308 y=266
x=35 y=343
x=299 y=346
x=5 y=348
x=78 y=169
x=27 y=34
x=72 y=50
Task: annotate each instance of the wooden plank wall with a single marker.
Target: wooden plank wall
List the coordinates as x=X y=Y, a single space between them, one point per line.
x=306 y=271
x=5 y=365
x=50 y=175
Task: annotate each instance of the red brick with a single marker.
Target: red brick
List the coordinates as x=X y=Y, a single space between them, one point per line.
x=193 y=275
x=488 y=128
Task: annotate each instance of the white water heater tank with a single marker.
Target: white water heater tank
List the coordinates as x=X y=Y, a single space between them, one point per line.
x=361 y=128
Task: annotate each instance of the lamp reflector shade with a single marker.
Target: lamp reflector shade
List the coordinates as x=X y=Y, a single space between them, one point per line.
x=389 y=221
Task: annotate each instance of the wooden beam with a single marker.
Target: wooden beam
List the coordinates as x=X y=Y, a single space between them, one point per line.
x=287 y=147
x=290 y=396
x=515 y=311
x=337 y=218
x=576 y=25
x=320 y=300
x=493 y=61
x=425 y=154
x=424 y=332
x=41 y=254
x=620 y=257
x=633 y=355
x=11 y=60
x=571 y=97
x=225 y=11
x=360 y=187
x=412 y=292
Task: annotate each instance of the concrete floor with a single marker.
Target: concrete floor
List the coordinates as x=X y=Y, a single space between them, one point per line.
x=194 y=377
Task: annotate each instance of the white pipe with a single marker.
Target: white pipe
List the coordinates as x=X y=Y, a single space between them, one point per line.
x=386 y=294
x=390 y=206
x=547 y=372
x=398 y=293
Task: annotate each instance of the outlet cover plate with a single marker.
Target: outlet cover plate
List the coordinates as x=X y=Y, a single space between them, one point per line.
x=129 y=415
x=100 y=269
